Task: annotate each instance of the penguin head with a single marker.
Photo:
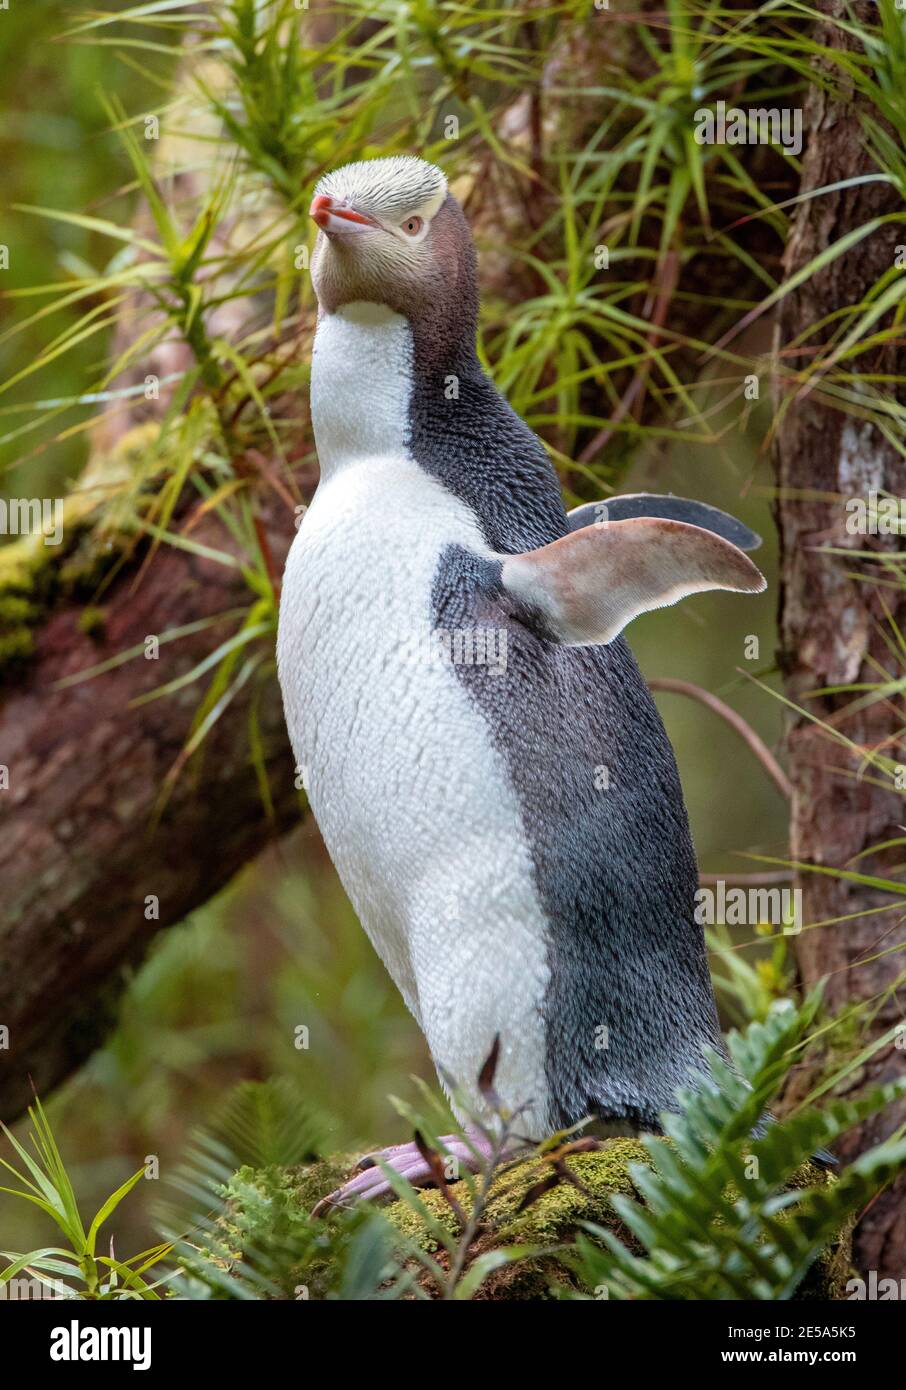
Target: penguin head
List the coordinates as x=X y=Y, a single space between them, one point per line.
x=391 y=233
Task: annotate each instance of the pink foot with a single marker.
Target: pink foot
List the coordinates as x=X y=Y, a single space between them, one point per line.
x=405 y=1159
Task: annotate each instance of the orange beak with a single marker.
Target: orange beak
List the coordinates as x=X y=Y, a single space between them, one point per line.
x=336 y=217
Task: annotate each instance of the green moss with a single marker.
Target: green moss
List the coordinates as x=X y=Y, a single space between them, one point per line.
x=92 y=621
x=15 y=646
x=828 y=1276
x=98 y=519
x=15 y=609
x=554 y=1216
x=552 y=1219
x=310 y=1182
x=557 y=1215
x=267 y=1225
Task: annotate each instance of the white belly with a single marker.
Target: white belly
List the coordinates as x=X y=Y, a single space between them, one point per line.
x=409 y=793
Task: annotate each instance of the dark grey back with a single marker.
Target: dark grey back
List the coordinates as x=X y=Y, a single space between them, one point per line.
x=615 y=869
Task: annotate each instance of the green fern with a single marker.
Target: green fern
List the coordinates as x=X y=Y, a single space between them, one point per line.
x=269 y=1123
x=240 y=1221
x=726 y=1215
x=720 y=1214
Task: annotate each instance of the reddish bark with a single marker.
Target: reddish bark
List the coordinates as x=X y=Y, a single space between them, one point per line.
x=831 y=633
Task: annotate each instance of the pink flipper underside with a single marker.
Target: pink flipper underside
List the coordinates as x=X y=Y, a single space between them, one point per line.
x=406 y=1160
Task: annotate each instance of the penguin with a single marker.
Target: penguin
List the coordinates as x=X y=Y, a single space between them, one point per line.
x=482 y=755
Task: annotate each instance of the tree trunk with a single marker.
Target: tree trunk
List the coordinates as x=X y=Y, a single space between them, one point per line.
x=87 y=877
x=831 y=633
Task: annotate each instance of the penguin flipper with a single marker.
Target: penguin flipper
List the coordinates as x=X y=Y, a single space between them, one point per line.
x=629 y=506
x=586 y=586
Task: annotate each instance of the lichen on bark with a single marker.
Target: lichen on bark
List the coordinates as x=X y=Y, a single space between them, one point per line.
x=36 y=576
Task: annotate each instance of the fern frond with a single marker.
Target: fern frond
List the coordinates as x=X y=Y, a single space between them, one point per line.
x=724 y=1215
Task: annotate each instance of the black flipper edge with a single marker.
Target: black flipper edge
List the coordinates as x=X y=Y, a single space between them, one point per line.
x=665 y=505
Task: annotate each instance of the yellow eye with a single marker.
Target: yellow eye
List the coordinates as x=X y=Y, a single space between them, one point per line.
x=412 y=226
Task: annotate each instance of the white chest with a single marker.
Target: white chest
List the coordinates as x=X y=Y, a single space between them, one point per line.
x=409 y=792
x=372 y=722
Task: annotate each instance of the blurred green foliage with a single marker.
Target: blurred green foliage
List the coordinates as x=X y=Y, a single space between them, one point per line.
x=57 y=150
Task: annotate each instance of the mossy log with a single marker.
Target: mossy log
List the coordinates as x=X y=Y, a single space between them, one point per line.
x=550 y=1221
x=89 y=870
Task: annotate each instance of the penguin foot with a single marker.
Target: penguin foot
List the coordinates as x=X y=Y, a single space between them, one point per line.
x=468 y=1153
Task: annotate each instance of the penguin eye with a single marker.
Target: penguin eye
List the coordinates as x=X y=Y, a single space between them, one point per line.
x=412 y=226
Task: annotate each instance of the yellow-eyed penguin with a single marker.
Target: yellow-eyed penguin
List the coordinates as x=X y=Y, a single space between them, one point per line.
x=484 y=760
